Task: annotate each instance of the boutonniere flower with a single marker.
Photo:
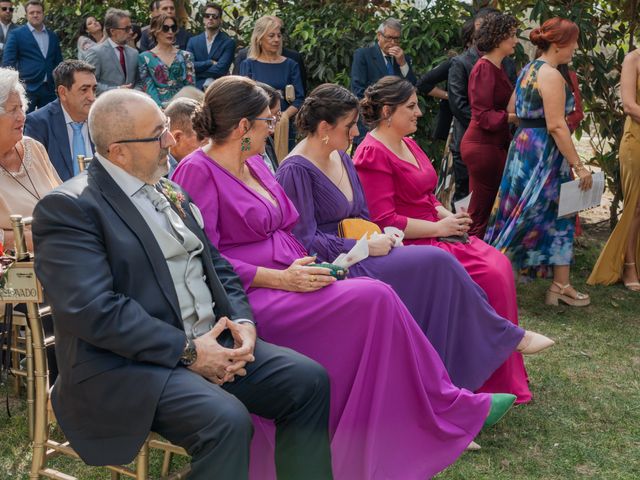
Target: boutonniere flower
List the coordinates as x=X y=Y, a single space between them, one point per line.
x=174 y=197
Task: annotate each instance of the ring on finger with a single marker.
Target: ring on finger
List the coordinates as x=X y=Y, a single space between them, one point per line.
x=313 y=278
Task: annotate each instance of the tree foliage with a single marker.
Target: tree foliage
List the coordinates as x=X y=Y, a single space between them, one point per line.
x=327 y=32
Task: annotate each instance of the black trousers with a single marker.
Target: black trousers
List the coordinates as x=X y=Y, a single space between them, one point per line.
x=460 y=175
x=213 y=424
x=41 y=96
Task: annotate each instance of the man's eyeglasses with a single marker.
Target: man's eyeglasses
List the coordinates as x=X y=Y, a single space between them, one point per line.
x=391 y=38
x=6 y=9
x=127 y=29
x=163 y=138
x=271 y=121
x=173 y=28
x=214 y=16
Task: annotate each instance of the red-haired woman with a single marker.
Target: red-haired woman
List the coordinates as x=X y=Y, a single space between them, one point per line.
x=525 y=223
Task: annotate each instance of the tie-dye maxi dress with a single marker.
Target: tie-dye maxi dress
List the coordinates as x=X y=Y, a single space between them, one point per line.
x=524 y=223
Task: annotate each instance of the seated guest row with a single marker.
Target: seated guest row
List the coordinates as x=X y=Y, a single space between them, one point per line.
x=148 y=313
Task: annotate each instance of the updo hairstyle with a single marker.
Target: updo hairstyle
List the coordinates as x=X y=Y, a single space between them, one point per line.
x=556 y=30
x=391 y=91
x=227 y=101
x=328 y=102
x=495 y=28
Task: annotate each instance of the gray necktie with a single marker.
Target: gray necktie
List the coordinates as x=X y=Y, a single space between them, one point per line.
x=162 y=205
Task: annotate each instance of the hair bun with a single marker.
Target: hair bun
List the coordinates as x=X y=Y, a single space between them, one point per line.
x=203 y=122
x=538 y=38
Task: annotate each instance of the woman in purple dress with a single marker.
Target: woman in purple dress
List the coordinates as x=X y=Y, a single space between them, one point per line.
x=394 y=411
x=470 y=337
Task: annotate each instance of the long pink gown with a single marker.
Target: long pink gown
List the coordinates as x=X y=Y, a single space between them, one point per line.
x=397 y=190
x=394 y=412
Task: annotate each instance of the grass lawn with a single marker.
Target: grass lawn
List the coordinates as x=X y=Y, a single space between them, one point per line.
x=584 y=421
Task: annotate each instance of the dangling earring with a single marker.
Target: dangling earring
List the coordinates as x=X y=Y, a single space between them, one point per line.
x=245 y=146
x=388 y=121
x=325 y=139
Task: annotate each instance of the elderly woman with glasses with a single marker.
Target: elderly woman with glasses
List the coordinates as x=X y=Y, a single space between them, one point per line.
x=26 y=173
x=165 y=69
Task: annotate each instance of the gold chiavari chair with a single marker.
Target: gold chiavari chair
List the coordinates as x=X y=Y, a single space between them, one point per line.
x=22 y=286
x=83 y=162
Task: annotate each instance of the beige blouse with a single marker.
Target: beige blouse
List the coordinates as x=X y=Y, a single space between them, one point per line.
x=14 y=199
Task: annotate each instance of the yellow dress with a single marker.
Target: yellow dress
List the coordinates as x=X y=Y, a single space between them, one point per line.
x=608 y=268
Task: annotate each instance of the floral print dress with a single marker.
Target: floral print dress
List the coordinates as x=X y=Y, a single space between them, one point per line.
x=162 y=82
x=524 y=223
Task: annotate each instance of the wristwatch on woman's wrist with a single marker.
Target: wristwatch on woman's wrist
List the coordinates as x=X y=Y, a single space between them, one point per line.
x=189 y=354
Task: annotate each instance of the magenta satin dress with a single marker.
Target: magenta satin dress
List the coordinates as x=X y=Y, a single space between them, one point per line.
x=394 y=412
x=397 y=190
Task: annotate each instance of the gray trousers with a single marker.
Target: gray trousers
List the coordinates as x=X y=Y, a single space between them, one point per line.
x=213 y=425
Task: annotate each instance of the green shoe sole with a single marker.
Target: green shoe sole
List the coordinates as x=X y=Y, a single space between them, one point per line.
x=500 y=405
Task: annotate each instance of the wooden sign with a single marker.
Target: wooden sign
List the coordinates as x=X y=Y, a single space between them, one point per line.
x=21 y=285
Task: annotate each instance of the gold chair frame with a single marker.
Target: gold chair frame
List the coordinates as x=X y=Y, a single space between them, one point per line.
x=43 y=447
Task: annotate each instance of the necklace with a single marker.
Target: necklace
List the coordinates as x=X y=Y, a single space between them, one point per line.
x=35 y=195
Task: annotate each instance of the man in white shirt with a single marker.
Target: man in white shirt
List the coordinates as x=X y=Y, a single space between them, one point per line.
x=6 y=23
x=116 y=62
x=34 y=51
x=61 y=126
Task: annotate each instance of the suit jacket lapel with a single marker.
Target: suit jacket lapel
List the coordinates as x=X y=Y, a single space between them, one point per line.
x=215 y=285
x=379 y=60
x=59 y=129
x=217 y=42
x=138 y=226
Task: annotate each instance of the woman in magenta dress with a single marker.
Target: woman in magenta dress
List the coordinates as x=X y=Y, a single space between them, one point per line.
x=486 y=142
x=394 y=412
x=321 y=181
x=398 y=181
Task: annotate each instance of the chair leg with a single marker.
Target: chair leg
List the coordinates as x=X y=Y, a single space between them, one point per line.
x=30 y=382
x=166 y=464
x=15 y=359
x=142 y=462
x=115 y=476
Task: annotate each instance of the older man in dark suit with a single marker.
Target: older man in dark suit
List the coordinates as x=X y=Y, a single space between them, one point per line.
x=61 y=126
x=384 y=57
x=34 y=51
x=213 y=49
x=153 y=329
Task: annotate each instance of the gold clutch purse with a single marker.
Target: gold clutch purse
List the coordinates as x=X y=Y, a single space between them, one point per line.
x=355 y=228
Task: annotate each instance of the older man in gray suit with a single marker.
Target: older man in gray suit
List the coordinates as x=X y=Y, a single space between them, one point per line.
x=116 y=62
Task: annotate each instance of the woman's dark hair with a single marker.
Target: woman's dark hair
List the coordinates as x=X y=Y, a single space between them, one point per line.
x=466 y=33
x=555 y=30
x=274 y=95
x=391 y=91
x=82 y=28
x=328 y=102
x=495 y=28
x=227 y=101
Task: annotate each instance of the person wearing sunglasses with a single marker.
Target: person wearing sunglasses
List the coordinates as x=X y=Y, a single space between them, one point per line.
x=156 y=7
x=6 y=23
x=213 y=49
x=115 y=61
x=165 y=69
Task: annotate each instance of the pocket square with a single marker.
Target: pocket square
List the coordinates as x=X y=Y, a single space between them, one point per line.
x=197 y=214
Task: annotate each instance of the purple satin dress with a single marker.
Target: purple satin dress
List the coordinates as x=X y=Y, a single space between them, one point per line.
x=451 y=309
x=394 y=412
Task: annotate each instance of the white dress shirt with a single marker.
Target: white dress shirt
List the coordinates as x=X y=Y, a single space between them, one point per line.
x=85 y=134
x=209 y=43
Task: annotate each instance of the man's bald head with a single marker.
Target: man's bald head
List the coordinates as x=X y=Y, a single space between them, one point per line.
x=114 y=116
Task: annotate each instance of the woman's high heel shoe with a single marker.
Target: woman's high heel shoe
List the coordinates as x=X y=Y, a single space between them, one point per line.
x=500 y=405
x=553 y=298
x=533 y=343
x=633 y=286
